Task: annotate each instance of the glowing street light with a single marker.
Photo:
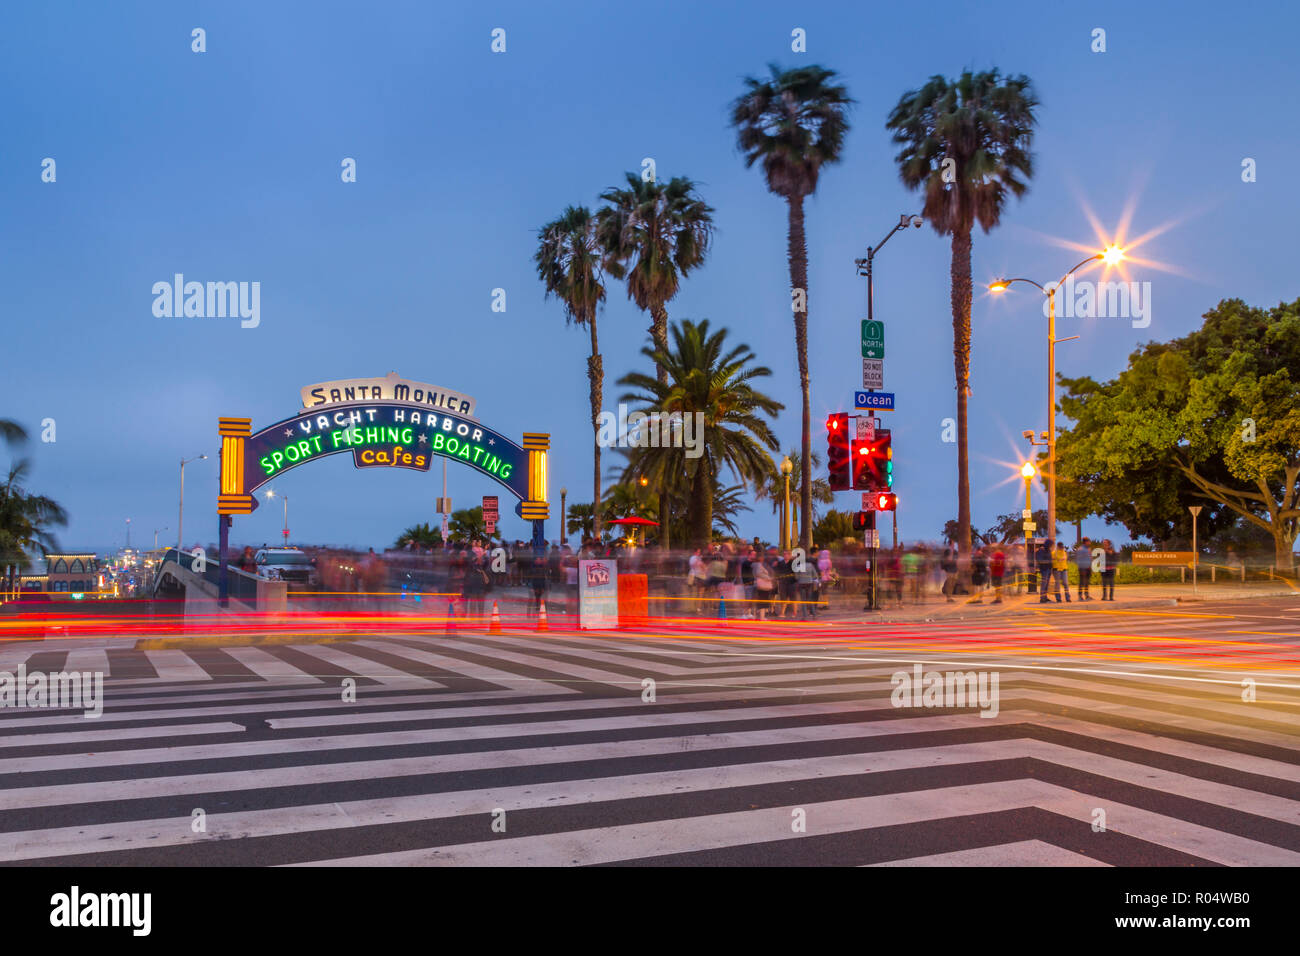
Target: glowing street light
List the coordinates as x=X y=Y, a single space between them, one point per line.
x=1111 y=255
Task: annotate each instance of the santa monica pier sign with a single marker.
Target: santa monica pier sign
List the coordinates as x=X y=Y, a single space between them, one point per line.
x=384 y=423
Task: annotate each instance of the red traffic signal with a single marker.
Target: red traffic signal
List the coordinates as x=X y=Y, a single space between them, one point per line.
x=873 y=466
x=885 y=501
x=840 y=476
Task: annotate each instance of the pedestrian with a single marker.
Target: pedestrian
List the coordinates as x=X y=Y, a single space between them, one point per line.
x=912 y=568
x=948 y=564
x=1083 y=561
x=247 y=562
x=979 y=571
x=1061 y=571
x=764 y=587
x=1043 y=562
x=747 y=580
x=1108 y=568
x=997 y=569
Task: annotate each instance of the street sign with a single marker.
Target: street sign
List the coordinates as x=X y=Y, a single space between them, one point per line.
x=443 y=506
x=490 y=525
x=1026 y=514
x=873 y=339
x=868 y=501
x=873 y=373
x=1163 y=559
x=1029 y=526
x=490 y=505
x=871 y=538
x=873 y=401
x=866 y=428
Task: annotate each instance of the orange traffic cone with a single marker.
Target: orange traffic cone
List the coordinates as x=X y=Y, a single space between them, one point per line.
x=495 y=626
x=541 y=617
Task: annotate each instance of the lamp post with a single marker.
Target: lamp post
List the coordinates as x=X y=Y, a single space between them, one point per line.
x=564 y=516
x=787 y=466
x=285 y=498
x=1028 y=471
x=864 y=265
x=1196 y=555
x=1111 y=255
x=155 y=537
x=180 y=521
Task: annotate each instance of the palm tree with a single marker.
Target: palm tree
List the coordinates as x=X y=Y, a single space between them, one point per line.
x=726 y=507
x=705 y=376
x=795 y=123
x=580 y=520
x=25 y=522
x=653 y=234
x=421 y=536
x=966 y=145
x=773 y=485
x=571 y=264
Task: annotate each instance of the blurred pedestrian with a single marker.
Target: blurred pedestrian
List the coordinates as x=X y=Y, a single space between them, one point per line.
x=1043 y=562
x=1083 y=561
x=997 y=570
x=1108 y=571
x=1061 y=571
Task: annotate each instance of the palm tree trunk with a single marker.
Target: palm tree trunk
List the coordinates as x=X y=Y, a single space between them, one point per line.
x=596 y=378
x=659 y=335
x=961 y=298
x=798 y=257
x=700 y=509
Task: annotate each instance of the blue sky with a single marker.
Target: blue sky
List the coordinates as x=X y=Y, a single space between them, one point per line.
x=225 y=166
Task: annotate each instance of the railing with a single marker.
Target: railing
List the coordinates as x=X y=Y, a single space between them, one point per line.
x=242 y=585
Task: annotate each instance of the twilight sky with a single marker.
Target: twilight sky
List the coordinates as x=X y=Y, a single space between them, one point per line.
x=225 y=166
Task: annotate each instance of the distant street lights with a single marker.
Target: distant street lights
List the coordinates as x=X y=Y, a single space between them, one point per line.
x=180 y=523
x=1111 y=255
x=270 y=494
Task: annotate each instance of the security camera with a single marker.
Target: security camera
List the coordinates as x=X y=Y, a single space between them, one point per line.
x=916 y=221
x=1028 y=433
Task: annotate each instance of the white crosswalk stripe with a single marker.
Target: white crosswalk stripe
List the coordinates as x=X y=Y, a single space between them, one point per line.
x=751 y=752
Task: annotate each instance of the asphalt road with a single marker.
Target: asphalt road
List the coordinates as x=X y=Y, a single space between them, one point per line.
x=1103 y=737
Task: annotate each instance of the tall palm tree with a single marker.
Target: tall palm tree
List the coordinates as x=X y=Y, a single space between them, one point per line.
x=571 y=264
x=795 y=122
x=965 y=144
x=706 y=376
x=654 y=234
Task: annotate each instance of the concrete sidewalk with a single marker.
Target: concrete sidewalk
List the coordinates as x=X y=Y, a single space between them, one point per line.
x=1132 y=596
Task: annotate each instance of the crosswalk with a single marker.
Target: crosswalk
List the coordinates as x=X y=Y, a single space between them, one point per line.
x=686 y=750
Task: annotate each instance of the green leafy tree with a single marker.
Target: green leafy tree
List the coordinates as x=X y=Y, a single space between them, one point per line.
x=580 y=520
x=653 y=234
x=1211 y=418
x=1007 y=527
x=727 y=506
x=965 y=147
x=571 y=263
x=794 y=123
x=708 y=377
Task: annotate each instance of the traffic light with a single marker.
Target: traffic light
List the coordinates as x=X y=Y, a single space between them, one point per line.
x=862 y=520
x=873 y=463
x=885 y=500
x=837 y=452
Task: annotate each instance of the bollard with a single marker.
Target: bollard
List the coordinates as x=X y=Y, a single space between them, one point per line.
x=722 y=609
x=451 y=618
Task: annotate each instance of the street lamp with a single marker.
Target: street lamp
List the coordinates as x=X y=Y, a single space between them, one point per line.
x=155 y=537
x=1196 y=555
x=1027 y=470
x=864 y=265
x=787 y=466
x=1111 y=255
x=180 y=523
x=564 y=516
x=270 y=495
